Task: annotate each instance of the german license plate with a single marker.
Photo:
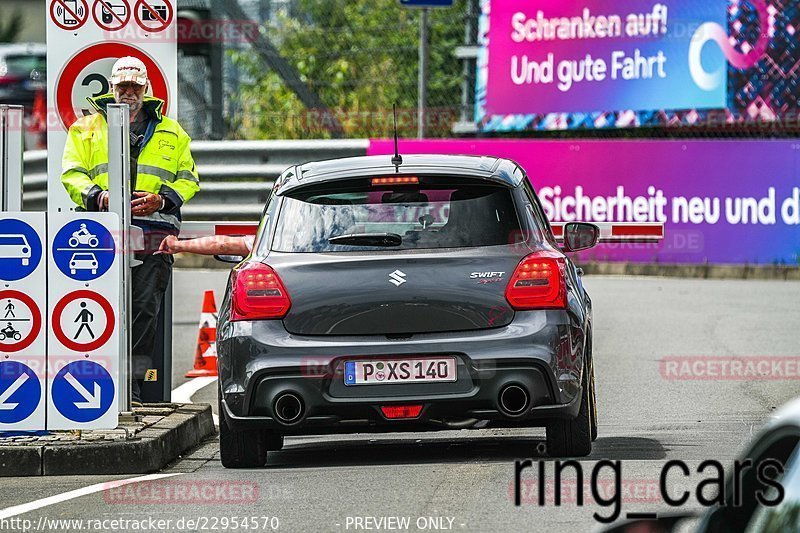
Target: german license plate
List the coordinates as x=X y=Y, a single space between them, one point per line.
x=399 y=371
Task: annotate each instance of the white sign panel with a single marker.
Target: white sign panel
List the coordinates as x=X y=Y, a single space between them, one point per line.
x=23 y=306
x=84 y=292
x=84 y=39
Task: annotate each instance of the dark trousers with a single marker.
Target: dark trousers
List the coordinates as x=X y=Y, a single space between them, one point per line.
x=148 y=283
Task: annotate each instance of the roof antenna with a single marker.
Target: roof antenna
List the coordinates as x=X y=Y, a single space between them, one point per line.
x=397 y=159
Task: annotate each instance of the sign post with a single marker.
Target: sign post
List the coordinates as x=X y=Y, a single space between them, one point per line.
x=424 y=45
x=422 y=83
x=11 y=148
x=119 y=202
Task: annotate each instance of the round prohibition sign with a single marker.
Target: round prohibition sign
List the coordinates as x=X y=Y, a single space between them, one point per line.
x=108 y=16
x=83 y=346
x=144 y=11
x=68 y=79
x=69 y=18
x=36 y=320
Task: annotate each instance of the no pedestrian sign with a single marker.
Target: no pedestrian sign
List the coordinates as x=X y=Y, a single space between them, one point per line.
x=83 y=321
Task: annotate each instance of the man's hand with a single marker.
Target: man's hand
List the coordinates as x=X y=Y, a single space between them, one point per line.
x=145 y=203
x=168 y=245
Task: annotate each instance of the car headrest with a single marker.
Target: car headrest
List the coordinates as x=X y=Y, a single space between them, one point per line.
x=410 y=197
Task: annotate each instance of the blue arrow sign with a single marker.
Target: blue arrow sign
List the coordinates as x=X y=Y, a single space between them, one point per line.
x=427 y=3
x=83 y=391
x=83 y=250
x=20 y=249
x=20 y=392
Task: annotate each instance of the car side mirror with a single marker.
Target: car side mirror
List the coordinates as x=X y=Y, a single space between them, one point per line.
x=234 y=259
x=580 y=236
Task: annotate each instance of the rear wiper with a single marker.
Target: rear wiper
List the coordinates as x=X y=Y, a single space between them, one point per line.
x=368 y=239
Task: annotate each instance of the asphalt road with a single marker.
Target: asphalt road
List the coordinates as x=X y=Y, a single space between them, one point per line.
x=463 y=480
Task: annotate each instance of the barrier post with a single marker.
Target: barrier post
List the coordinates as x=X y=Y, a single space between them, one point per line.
x=11 y=149
x=119 y=202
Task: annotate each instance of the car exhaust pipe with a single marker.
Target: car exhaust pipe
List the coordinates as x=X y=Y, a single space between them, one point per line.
x=514 y=400
x=288 y=408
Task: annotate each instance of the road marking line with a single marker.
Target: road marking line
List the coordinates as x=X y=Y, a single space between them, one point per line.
x=77 y=493
x=185 y=392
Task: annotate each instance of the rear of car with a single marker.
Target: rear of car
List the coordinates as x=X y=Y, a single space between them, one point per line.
x=377 y=299
x=23 y=71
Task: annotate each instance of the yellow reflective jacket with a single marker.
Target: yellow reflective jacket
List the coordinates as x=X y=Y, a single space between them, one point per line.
x=165 y=165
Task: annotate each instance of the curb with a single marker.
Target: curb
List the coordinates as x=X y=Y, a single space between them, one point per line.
x=152 y=449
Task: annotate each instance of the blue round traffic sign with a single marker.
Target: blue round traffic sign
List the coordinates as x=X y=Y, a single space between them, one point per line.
x=83 y=391
x=20 y=392
x=83 y=250
x=20 y=249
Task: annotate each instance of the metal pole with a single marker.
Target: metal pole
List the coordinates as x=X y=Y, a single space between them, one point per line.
x=119 y=202
x=11 y=149
x=422 y=85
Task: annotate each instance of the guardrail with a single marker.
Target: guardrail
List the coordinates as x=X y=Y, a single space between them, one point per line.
x=235 y=176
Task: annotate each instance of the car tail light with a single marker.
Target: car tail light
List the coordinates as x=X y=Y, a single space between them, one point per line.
x=538 y=283
x=401 y=411
x=396 y=180
x=258 y=293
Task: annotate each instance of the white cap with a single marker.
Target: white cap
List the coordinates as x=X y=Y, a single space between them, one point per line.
x=129 y=69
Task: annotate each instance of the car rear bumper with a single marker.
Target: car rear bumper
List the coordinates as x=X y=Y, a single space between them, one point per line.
x=539 y=351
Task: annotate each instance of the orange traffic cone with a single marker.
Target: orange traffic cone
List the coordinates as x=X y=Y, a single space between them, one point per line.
x=205 y=356
x=37 y=126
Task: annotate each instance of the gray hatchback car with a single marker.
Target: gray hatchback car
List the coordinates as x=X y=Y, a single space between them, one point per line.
x=425 y=295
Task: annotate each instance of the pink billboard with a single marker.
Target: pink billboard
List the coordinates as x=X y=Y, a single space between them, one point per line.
x=734 y=202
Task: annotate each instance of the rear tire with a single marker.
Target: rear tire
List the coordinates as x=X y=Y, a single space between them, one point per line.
x=572 y=438
x=274 y=441
x=241 y=448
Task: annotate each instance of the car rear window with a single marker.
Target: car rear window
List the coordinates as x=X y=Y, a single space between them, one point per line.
x=24 y=65
x=435 y=213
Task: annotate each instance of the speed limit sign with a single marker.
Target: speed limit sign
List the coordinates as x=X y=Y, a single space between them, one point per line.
x=86 y=75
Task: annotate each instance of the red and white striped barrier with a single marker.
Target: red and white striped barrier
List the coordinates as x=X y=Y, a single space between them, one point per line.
x=620 y=231
x=192 y=230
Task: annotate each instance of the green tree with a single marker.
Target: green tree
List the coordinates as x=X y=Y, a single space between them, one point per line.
x=12 y=27
x=360 y=57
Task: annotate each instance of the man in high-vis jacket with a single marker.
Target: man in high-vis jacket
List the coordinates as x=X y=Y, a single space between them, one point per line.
x=163 y=178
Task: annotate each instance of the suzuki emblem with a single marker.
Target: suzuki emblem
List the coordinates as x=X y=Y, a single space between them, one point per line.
x=398 y=277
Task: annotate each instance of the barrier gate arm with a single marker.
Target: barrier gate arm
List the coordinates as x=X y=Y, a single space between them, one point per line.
x=620 y=231
x=609 y=231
